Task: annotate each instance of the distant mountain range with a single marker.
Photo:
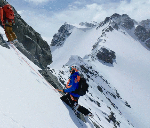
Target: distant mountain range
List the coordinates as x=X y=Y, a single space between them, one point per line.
x=112 y=55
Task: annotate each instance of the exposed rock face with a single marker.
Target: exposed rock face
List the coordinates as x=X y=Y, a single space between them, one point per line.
x=106 y=55
x=51 y=79
x=142 y=30
x=142 y=33
x=123 y=20
x=127 y=22
x=145 y=24
x=63 y=33
x=2 y=42
x=117 y=20
x=31 y=40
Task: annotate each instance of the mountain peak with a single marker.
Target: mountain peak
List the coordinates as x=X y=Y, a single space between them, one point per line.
x=63 y=32
x=117 y=20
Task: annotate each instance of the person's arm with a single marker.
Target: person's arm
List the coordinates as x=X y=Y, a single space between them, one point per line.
x=72 y=85
x=67 y=85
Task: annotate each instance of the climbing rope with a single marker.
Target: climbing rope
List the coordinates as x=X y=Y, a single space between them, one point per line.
x=12 y=45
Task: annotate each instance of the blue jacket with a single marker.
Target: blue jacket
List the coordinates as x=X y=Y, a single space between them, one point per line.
x=74 y=85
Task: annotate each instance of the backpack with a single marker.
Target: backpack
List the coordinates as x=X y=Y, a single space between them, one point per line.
x=8 y=11
x=83 y=87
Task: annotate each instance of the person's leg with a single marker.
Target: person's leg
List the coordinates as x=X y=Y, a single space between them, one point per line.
x=67 y=99
x=13 y=34
x=7 y=32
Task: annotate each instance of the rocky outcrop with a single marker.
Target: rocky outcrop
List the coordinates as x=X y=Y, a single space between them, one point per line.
x=106 y=55
x=123 y=20
x=147 y=42
x=31 y=40
x=51 y=79
x=142 y=33
x=145 y=24
x=2 y=42
x=117 y=20
x=63 y=33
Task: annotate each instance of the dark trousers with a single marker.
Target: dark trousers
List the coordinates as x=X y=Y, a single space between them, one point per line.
x=67 y=99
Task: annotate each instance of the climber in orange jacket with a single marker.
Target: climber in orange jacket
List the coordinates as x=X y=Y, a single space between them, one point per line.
x=7 y=19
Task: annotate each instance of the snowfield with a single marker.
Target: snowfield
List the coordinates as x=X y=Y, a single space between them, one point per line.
x=26 y=99
x=129 y=74
x=119 y=93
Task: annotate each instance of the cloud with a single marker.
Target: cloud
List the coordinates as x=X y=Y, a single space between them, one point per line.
x=136 y=9
x=38 y=1
x=47 y=23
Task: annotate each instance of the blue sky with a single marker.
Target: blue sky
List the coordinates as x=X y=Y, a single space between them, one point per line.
x=46 y=16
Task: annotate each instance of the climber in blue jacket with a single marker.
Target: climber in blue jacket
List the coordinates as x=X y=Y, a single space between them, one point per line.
x=73 y=83
x=71 y=97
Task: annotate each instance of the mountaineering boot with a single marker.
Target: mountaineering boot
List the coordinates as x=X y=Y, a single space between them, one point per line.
x=14 y=41
x=90 y=115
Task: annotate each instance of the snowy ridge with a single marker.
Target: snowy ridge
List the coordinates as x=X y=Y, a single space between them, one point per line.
x=115 y=96
x=118 y=94
x=101 y=95
x=26 y=99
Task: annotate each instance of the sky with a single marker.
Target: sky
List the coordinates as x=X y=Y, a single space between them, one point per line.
x=46 y=16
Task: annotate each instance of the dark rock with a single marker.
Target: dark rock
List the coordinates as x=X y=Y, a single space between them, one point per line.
x=106 y=55
x=31 y=40
x=123 y=20
x=107 y=19
x=115 y=15
x=142 y=33
x=145 y=24
x=109 y=29
x=115 y=26
x=127 y=22
x=99 y=88
x=112 y=118
x=112 y=95
x=63 y=33
x=2 y=42
x=126 y=103
x=51 y=79
x=84 y=69
x=96 y=102
x=115 y=20
x=148 y=43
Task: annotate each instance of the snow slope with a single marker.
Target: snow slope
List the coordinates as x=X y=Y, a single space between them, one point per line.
x=26 y=99
x=129 y=74
x=121 y=88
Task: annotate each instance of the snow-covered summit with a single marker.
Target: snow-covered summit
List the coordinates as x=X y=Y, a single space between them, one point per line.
x=114 y=87
x=111 y=56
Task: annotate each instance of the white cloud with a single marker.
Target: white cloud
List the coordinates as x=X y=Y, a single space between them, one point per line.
x=137 y=9
x=48 y=24
x=20 y=12
x=38 y=1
